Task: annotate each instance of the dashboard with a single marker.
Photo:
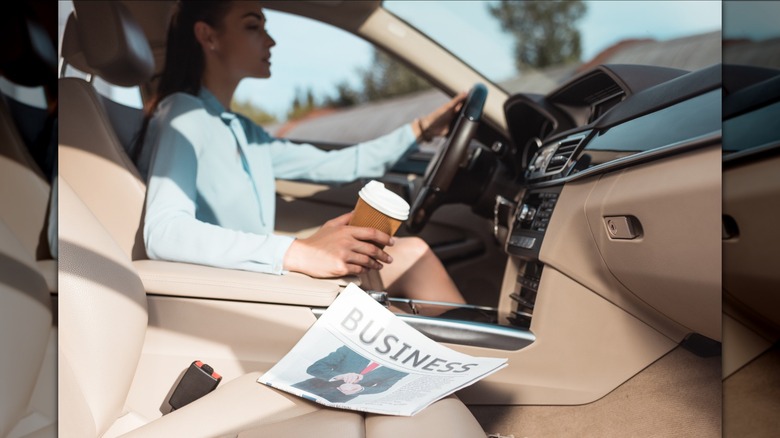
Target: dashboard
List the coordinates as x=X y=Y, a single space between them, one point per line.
x=600 y=116
x=605 y=119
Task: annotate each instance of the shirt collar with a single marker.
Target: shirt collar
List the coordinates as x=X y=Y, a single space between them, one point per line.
x=213 y=105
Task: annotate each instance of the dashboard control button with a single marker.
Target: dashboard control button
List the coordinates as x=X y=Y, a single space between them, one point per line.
x=527 y=212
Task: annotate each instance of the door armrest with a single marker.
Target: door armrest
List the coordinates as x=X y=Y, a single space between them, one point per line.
x=188 y=280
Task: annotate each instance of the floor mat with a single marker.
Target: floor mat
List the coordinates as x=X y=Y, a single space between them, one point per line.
x=751 y=398
x=678 y=395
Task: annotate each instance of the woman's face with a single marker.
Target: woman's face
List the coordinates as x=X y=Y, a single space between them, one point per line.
x=242 y=44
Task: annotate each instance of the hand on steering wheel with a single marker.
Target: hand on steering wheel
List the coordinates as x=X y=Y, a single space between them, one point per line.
x=443 y=167
x=438 y=122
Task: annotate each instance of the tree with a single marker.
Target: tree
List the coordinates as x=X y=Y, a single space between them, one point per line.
x=544 y=31
x=254 y=113
x=303 y=103
x=346 y=96
x=384 y=78
x=387 y=77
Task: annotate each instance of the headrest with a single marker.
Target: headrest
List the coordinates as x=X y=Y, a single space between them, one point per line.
x=27 y=56
x=112 y=43
x=70 y=49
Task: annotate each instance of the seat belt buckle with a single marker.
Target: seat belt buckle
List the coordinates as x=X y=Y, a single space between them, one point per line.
x=199 y=380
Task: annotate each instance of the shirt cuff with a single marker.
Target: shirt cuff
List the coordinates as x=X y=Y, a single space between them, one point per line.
x=409 y=138
x=281 y=246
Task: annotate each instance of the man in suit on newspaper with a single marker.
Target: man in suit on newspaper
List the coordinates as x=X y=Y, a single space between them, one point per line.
x=343 y=375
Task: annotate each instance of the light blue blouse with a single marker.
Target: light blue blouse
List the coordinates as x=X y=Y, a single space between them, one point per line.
x=211 y=185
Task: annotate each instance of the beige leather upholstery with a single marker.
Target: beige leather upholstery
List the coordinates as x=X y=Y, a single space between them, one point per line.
x=25 y=325
x=114 y=45
x=102 y=305
x=111 y=44
x=241 y=404
x=70 y=49
x=23 y=186
x=26 y=333
x=446 y=418
x=182 y=279
x=93 y=162
x=103 y=321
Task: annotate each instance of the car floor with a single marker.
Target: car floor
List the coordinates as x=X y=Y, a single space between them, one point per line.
x=678 y=395
x=751 y=398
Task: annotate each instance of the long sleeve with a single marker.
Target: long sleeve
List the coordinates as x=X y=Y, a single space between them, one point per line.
x=211 y=185
x=172 y=229
x=370 y=159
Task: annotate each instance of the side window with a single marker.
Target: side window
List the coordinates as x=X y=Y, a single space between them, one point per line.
x=328 y=86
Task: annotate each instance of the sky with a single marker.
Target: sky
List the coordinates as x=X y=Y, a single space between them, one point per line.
x=465 y=28
x=337 y=56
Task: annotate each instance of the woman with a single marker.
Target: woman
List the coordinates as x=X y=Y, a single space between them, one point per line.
x=210 y=196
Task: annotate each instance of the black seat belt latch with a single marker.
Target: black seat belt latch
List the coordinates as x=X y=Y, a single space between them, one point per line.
x=199 y=380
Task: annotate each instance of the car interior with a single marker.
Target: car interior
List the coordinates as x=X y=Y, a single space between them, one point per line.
x=608 y=237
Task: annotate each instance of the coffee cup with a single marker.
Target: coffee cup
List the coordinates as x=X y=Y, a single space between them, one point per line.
x=379 y=208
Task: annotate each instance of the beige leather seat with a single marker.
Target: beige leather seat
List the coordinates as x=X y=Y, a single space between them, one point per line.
x=24 y=195
x=25 y=332
x=103 y=305
x=27 y=273
x=102 y=323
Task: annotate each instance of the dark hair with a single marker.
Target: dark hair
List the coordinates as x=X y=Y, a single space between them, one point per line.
x=184 y=63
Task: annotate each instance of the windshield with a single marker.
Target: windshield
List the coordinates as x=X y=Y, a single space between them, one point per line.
x=534 y=46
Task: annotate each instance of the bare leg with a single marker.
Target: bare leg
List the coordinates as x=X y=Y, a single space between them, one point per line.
x=417 y=273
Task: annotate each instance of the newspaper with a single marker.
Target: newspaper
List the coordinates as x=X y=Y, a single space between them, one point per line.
x=360 y=356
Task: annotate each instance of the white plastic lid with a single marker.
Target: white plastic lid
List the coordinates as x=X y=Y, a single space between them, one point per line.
x=376 y=195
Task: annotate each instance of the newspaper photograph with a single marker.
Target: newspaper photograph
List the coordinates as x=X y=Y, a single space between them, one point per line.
x=360 y=356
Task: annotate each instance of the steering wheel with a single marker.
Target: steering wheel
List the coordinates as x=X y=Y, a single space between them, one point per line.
x=444 y=165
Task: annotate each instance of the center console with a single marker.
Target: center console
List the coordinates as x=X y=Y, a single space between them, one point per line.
x=482 y=326
x=490 y=327
x=526 y=233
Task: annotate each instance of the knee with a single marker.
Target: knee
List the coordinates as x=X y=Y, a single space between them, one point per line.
x=413 y=247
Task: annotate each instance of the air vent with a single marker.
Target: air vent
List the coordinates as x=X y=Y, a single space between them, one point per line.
x=604 y=94
x=563 y=154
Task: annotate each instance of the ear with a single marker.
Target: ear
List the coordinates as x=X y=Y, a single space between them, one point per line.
x=205 y=35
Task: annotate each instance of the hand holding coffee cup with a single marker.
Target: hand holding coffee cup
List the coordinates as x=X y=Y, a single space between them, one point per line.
x=352 y=243
x=381 y=209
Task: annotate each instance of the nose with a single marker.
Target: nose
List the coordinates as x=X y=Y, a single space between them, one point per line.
x=271 y=41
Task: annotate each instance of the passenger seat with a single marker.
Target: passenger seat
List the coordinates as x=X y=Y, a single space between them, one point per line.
x=103 y=302
x=102 y=326
x=27 y=273
x=25 y=328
